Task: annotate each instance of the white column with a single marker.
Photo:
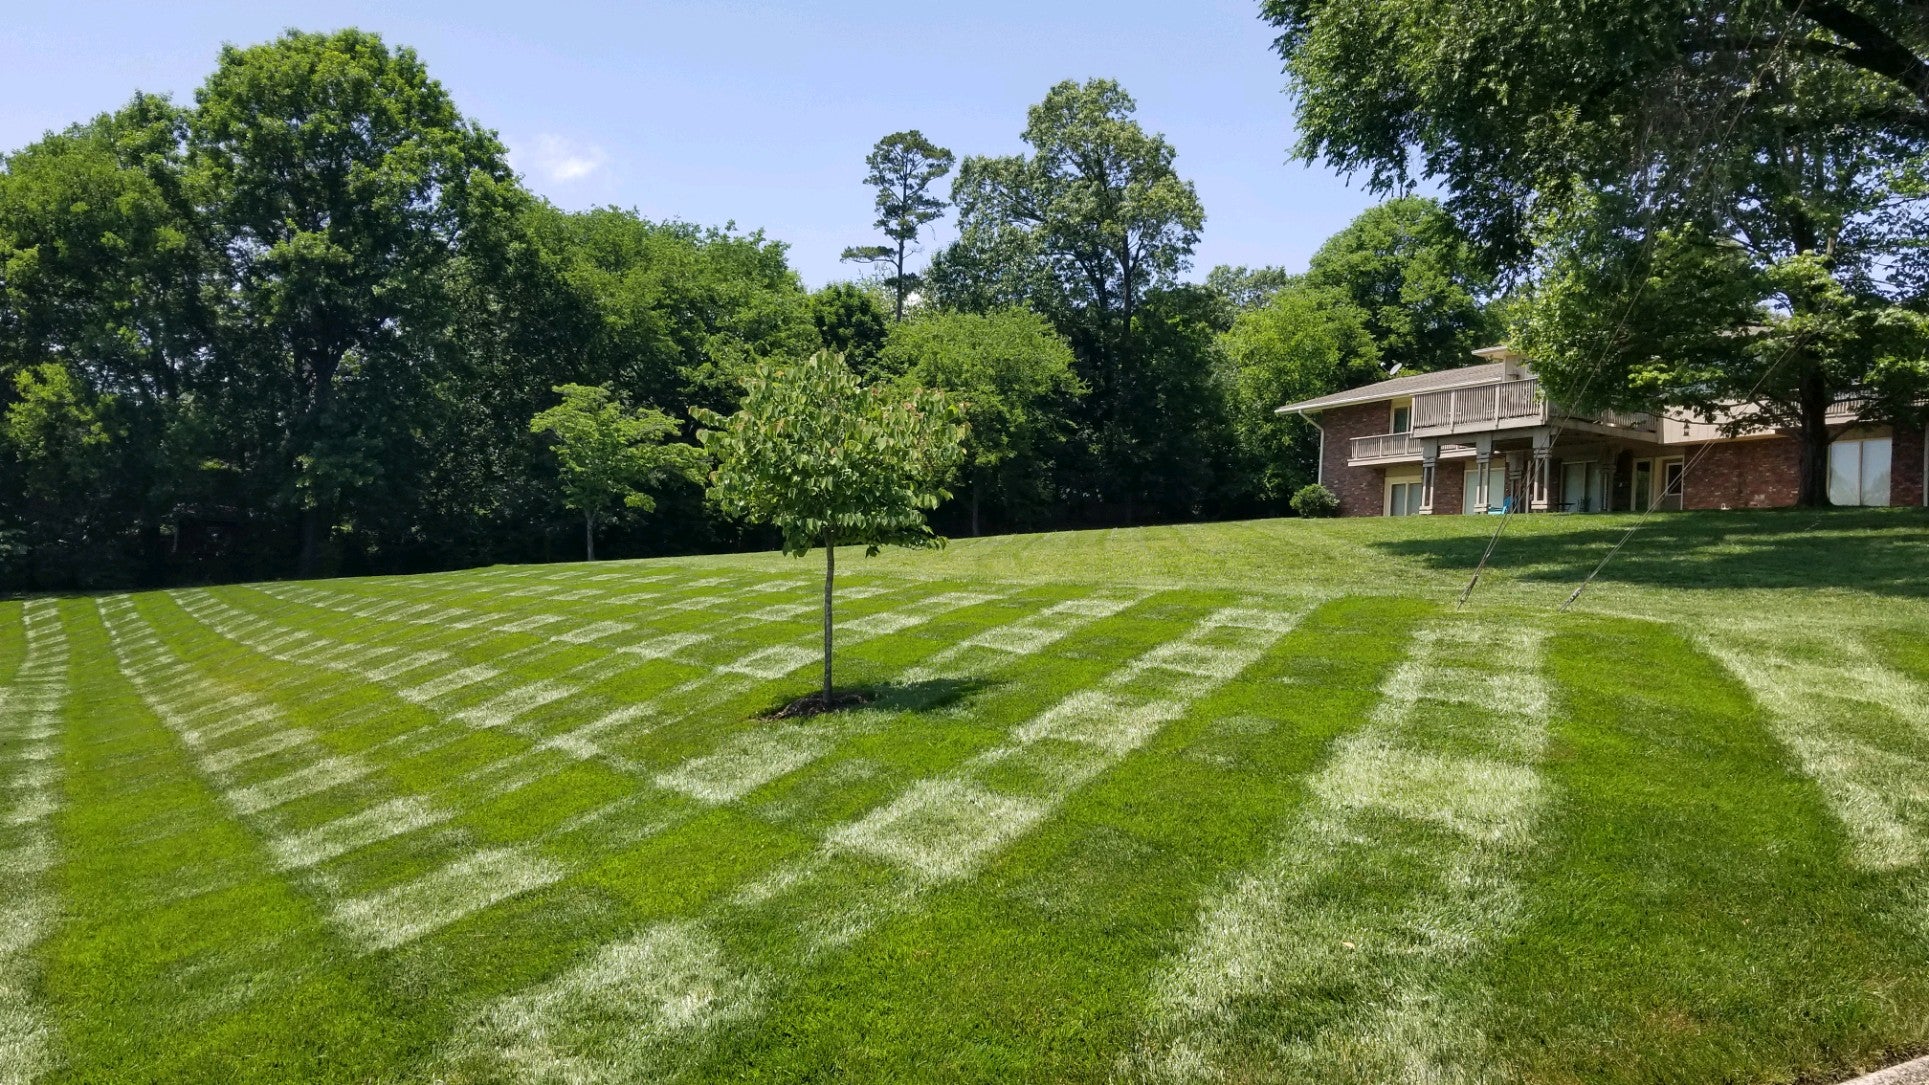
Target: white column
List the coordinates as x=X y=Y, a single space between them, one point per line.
x=1537 y=481
x=1429 y=464
x=1483 y=456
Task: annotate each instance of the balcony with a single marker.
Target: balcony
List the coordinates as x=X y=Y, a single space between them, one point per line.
x=1514 y=404
x=1384 y=446
x=1480 y=407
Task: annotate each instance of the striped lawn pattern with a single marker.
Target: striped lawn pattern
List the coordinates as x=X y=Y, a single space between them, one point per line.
x=553 y=784
x=29 y=765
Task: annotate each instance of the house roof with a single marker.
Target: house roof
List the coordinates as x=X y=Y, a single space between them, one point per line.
x=1400 y=387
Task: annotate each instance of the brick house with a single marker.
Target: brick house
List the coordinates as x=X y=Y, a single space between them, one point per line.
x=1481 y=438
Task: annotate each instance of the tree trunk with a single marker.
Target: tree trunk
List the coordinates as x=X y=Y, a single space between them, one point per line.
x=830 y=575
x=900 y=283
x=309 y=564
x=589 y=536
x=1812 y=461
x=976 y=485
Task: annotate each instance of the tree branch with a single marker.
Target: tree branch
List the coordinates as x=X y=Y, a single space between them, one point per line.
x=1876 y=50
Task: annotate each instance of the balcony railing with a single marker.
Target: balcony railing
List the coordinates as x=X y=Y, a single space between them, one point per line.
x=1500 y=405
x=1384 y=446
x=1504 y=405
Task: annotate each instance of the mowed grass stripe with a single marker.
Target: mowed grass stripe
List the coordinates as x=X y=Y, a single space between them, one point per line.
x=1036 y=969
x=614 y=1018
x=181 y=954
x=1859 y=726
x=1688 y=860
x=1330 y=958
x=30 y=726
x=720 y=681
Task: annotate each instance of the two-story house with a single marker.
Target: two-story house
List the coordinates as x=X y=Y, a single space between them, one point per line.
x=1483 y=438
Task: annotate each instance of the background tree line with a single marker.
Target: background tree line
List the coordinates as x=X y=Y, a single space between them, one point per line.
x=302 y=326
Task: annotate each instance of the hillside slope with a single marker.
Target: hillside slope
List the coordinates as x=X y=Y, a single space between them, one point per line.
x=1245 y=802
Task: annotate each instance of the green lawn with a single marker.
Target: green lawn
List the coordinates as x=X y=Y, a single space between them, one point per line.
x=1241 y=802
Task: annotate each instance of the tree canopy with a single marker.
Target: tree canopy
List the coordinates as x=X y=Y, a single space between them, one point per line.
x=1012 y=377
x=1418 y=280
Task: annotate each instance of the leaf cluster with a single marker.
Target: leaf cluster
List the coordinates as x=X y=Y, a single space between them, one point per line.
x=828 y=460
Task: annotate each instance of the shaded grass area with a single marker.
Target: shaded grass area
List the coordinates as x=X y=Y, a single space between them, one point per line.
x=525 y=823
x=1540 y=558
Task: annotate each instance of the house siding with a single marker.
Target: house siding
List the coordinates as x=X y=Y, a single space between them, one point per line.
x=1905 y=467
x=1763 y=474
x=1361 y=490
x=1752 y=474
x=1449 y=487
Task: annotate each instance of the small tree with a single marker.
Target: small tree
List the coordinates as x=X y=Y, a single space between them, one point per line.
x=609 y=452
x=828 y=461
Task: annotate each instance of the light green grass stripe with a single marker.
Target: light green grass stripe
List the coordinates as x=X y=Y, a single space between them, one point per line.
x=1857 y=726
x=672 y=983
x=30 y=728
x=1402 y=864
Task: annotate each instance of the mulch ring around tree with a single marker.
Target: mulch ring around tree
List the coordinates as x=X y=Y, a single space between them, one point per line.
x=816 y=705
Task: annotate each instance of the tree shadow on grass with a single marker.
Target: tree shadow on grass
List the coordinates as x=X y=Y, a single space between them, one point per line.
x=923 y=696
x=1885 y=551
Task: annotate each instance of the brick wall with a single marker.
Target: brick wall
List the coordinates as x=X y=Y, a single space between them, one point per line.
x=1361 y=490
x=1905 y=467
x=1758 y=474
x=1449 y=487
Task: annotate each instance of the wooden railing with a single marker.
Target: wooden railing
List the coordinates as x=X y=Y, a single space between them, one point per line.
x=1498 y=405
x=1384 y=446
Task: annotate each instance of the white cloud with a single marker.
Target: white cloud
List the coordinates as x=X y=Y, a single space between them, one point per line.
x=560 y=160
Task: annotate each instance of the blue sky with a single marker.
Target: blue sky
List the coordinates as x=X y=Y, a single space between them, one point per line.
x=759 y=113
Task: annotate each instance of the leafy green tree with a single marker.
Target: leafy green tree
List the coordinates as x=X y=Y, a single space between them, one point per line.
x=1420 y=282
x=851 y=323
x=609 y=454
x=1096 y=220
x=1011 y=374
x=830 y=462
x=59 y=440
x=1649 y=142
x=104 y=262
x=903 y=167
x=1247 y=288
x=1307 y=341
x=346 y=187
x=58 y=434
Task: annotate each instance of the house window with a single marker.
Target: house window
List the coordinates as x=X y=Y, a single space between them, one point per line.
x=1402 y=418
x=1496 y=488
x=1403 y=498
x=1859 y=472
x=1583 y=487
x=1673 y=473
